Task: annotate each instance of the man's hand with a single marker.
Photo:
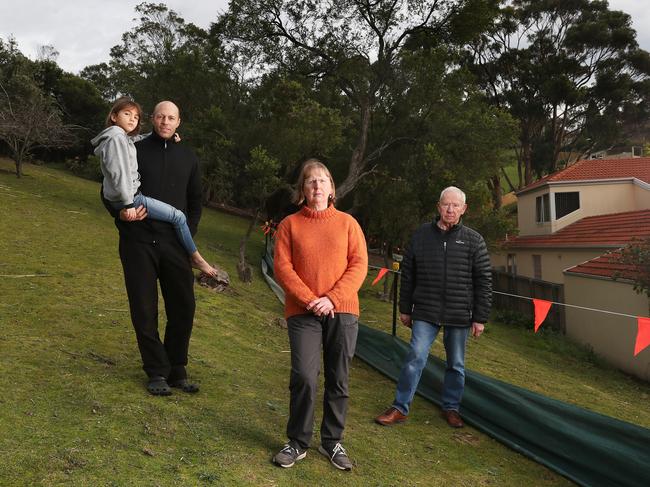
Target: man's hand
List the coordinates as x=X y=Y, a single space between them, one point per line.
x=133 y=214
x=405 y=319
x=477 y=329
x=321 y=306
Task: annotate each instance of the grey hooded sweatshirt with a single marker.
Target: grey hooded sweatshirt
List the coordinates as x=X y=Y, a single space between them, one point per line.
x=119 y=164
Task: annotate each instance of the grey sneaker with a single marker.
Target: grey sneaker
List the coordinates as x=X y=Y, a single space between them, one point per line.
x=337 y=455
x=289 y=455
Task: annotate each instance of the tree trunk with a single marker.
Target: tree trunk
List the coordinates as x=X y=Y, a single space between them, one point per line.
x=357 y=161
x=244 y=270
x=507 y=178
x=495 y=186
x=19 y=168
x=527 y=155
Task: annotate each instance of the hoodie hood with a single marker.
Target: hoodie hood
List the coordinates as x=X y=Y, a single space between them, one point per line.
x=106 y=134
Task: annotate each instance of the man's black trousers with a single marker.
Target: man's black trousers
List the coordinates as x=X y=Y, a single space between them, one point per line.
x=338 y=337
x=146 y=264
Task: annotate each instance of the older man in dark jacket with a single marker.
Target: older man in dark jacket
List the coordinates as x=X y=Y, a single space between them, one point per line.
x=446 y=283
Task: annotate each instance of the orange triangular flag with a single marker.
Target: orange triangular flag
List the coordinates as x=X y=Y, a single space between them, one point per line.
x=382 y=272
x=642 y=335
x=541 y=310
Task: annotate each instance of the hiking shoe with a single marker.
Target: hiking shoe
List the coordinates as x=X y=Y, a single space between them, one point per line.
x=289 y=455
x=337 y=455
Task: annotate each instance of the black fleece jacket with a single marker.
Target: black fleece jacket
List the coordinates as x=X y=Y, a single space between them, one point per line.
x=169 y=172
x=446 y=276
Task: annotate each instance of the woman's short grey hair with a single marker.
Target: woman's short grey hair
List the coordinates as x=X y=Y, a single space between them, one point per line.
x=454 y=189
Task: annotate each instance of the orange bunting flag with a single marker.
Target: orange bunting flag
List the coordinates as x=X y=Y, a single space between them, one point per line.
x=541 y=310
x=642 y=335
x=382 y=272
x=268 y=228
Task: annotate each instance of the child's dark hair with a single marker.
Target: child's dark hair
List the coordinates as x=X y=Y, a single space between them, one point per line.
x=122 y=104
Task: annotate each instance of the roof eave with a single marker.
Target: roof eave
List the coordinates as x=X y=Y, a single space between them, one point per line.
x=624 y=280
x=583 y=182
x=565 y=246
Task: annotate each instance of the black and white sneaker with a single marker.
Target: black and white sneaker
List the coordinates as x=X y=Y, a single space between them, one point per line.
x=337 y=455
x=289 y=455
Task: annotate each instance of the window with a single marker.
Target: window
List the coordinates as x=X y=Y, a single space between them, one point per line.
x=511 y=266
x=542 y=209
x=537 y=266
x=566 y=203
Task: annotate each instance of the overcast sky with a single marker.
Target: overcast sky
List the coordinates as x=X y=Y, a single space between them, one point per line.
x=83 y=31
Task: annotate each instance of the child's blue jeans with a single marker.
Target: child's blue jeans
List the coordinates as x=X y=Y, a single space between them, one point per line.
x=158 y=210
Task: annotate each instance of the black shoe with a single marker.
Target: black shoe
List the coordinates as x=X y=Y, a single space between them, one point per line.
x=337 y=455
x=185 y=386
x=289 y=455
x=158 y=386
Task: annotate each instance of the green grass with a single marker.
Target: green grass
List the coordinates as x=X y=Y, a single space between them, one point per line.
x=74 y=410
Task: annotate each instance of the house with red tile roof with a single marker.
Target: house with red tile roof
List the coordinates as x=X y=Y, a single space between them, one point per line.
x=577 y=214
x=571 y=225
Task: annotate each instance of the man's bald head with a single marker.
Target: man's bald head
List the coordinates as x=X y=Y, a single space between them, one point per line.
x=167 y=105
x=165 y=119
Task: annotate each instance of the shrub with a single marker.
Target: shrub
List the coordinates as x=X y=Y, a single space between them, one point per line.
x=88 y=169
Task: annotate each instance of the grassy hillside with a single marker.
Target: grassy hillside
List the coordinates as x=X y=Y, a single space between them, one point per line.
x=74 y=410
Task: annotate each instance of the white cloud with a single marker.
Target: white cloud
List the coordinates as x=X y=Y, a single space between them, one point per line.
x=83 y=31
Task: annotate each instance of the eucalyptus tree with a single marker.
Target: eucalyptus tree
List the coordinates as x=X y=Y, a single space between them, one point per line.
x=570 y=71
x=354 y=45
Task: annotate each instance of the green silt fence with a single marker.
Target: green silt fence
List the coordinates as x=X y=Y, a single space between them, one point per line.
x=588 y=448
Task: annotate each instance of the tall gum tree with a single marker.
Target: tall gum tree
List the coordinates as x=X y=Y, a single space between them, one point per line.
x=354 y=44
x=570 y=72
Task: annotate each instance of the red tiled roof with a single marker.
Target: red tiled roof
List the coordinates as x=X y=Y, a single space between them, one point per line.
x=606 y=265
x=598 y=169
x=613 y=230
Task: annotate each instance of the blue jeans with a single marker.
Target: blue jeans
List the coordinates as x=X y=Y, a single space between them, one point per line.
x=157 y=210
x=423 y=335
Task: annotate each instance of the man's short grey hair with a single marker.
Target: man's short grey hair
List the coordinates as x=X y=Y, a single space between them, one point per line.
x=454 y=189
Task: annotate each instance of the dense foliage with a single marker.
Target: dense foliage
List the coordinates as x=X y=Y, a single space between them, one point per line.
x=399 y=98
x=570 y=72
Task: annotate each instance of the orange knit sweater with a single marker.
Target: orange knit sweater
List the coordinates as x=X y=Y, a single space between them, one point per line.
x=320 y=253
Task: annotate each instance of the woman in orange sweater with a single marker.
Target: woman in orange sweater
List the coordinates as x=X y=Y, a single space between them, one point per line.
x=320 y=261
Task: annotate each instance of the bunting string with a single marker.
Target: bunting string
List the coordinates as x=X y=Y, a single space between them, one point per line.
x=569 y=305
x=542 y=308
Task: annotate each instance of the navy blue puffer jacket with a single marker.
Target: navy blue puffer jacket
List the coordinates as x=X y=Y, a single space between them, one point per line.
x=446 y=276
